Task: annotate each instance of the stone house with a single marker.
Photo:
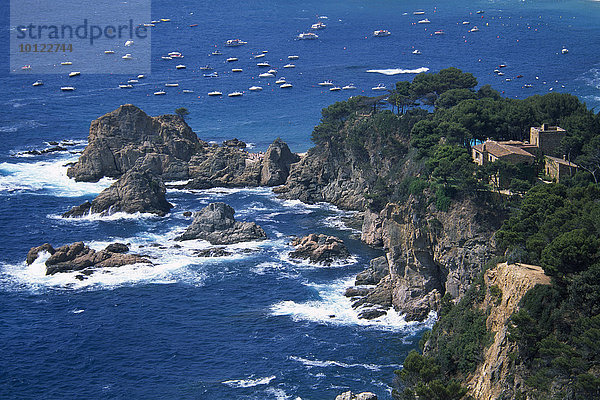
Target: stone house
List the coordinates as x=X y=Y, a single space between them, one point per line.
x=559 y=168
x=547 y=138
x=511 y=151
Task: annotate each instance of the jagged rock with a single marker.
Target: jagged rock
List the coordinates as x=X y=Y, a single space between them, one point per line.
x=223 y=166
x=360 y=396
x=134 y=192
x=381 y=295
x=52 y=149
x=372 y=313
x=235 y=142
x=117 y=248
x=321 y=249
x=378 y=268
x=276 y=164
x=212 y=252
x=118 y=139
x=216 y=224
x=355 y=291
x=78 y=256
x=33 y=254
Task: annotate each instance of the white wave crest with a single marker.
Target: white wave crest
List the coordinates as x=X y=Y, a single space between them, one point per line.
x=249 y=382
x=335 y=308
x=111 y=217
x=329 y=363
x=398 y=71
x=50 y=176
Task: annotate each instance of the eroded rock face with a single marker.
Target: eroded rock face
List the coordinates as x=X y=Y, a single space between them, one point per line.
x=79 y=257
x=117 y=141
x=135 y=191
x=215 y=223
x=276 y=164
x=319 y=249
x=429 y=252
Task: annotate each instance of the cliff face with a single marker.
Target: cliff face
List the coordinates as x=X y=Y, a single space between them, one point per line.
x=429 y=252
x=506 y=286
x=127 y=135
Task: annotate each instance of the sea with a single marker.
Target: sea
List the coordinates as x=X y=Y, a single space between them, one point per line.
x=255 y=324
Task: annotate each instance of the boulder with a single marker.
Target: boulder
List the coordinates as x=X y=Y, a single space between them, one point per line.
x=134 y=192
x=215 y=223
x=78 y=257
x=320 y=249
x=118 y=139
x=212 y=252
x=276 y=164
x=360 y=396
x=235 y=142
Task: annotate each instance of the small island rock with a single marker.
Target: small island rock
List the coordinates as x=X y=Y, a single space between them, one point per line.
x=321 y=249
x=215 y=223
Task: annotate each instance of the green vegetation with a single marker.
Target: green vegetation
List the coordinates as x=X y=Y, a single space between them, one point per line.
x=423 y=148
x=182 y=112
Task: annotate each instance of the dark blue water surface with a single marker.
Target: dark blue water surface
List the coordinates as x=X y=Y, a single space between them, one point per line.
x=253 y=325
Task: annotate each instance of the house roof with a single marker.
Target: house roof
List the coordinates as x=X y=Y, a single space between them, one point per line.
x=501 y=149
x=561 y=161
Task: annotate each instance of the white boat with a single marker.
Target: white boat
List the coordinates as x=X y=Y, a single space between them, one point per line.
x=231 y=59
x=180 y=66
x=255 y=88
x=308 y=36
x=129 y=43
x=160 y=93
x=272 y=71
x=293 y=57
x=155 y=21
x=188 y=91
x=335 y=89
x=260 y=55
x=265 y=51
x=211 y=75
x=175 y=54
x=439 y=32
x=289 y=66
x=326 y=83
x=234 y=43
x=237 y=70
x=318 y=25
x=165 y=19
x=37 y=83
x=109 y=52
x=148 y=25
x=382 y=32
x=466 y=22
x=280 y=81
x=141 y=76
x=128 y=86
x=564 y=51
x=381 y=86
x=480 y=12
x=206 y=68
x=74 y=73
x=171 y=84
x=474 y=29
x=424 y=21
x=66 y=63
x=166 y=58
x=418 y=12
x=67 y=88
x=215 y=93
x=216 y=53
x=127 y=57
x=349 y=87
x=417 y=52
x=263 y=65
x=266 y=75
x=286 y=86
x=235 y=94
x=132 y=81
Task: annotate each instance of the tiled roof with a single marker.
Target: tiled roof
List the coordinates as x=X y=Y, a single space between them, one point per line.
x=501 y=149
x=561 y=161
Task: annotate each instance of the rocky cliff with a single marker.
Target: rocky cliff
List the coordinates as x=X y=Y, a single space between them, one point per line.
x=126 y=136
x=428 y=252
x=506 y=286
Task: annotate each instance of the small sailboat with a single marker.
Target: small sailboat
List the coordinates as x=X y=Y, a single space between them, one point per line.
x=215 y=93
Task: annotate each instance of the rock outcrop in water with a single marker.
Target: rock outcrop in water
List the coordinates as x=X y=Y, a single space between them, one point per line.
x=319 y=249
x=359 y=396
x=135 y=191
x=215 y=223
x=126 y=136
x=79 y=257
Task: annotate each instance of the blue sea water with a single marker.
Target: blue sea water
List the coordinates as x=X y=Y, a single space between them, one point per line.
x=254 y=325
